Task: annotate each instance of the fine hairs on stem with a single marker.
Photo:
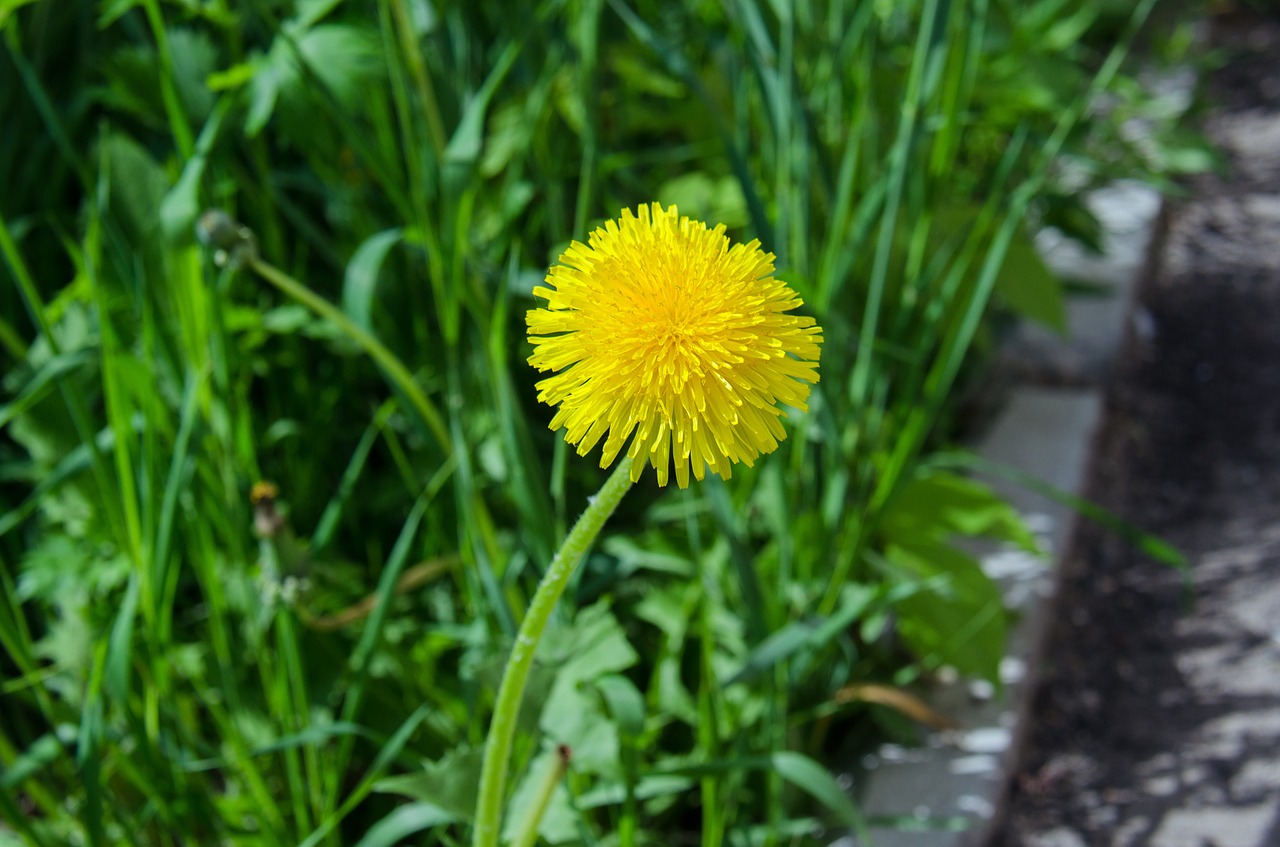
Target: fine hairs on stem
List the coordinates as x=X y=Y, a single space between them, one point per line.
x=497 y=748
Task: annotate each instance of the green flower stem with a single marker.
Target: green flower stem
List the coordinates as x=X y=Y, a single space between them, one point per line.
x=502 y=730
x=559 y=766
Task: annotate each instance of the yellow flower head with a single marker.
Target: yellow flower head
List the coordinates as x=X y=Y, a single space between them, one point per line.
x=660 y=328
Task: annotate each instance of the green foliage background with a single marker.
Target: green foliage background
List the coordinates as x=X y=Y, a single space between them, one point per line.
x=169 y=678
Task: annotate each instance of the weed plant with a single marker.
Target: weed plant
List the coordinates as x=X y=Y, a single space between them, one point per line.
x=182 y=663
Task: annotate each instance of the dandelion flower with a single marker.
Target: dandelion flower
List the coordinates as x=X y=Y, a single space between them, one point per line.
x=661 y=332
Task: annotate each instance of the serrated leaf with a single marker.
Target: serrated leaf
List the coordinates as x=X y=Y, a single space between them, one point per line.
x=593 y=645
x=449 y=783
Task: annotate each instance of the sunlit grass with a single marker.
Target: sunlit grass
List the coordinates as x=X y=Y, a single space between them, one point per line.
x=167 y=676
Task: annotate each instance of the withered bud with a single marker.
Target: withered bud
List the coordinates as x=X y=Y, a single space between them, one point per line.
x=267 y=520
x=233 y=243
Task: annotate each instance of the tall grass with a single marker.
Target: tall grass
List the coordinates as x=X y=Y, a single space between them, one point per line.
x=408 y=170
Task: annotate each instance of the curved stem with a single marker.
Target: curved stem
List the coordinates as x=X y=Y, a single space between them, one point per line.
x=502 y=730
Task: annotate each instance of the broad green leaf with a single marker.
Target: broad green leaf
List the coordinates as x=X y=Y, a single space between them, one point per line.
x=593 y=645
x=818 y=783
x=340 y=57
x=959 y=617
x=508 y=138
x=194 y=58
x=360 y=283
x=939 y=504
x=1183 y=152
x=1029 y=288
x=576 y=719
x=181 y=206
x=403 y=822
x=343 y=57
x=672 y=697
x=120 y=645
x=450 y=784
x=269 y=74
x=138 y=187
x=666 y=609
x=624 y=701
x=647 y=555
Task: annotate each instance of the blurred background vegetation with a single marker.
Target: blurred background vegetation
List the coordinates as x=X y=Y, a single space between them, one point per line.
x=170 y=674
